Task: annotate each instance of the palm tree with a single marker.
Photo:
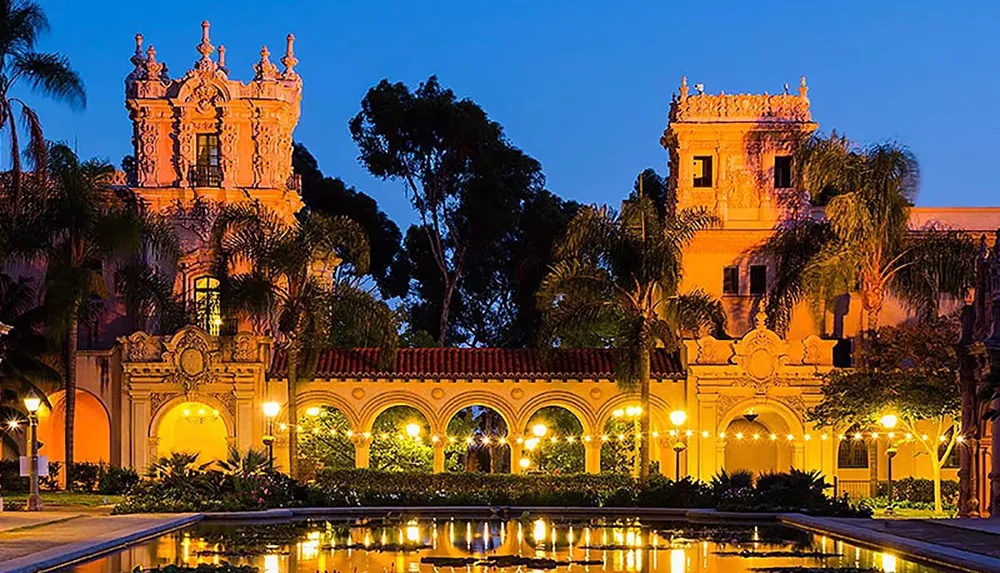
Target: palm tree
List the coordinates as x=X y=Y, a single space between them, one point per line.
x=864 y=243
x=27 y=364
x=48 y=73
x=280 y=276
x=86 y=223
x=615 y=282
x=146 y=290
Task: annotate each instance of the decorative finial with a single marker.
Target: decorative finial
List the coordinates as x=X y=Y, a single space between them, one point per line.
x=205 y=48
x=222 y=58
x=684 y=88
x=264 y=69
x=803 y=88
x=760 y=319
x=154 y=70
x=137 y=59
x=290 y=61
x=786 y=88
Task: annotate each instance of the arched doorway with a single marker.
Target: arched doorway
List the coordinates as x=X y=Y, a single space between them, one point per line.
x=759 y=445
x=324 y=441
x=193 y=427
x=400 y=441
x=91 y=431
x=477 y=441
x=560 y=449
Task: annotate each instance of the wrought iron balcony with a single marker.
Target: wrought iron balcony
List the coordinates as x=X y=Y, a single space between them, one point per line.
x=205 y=176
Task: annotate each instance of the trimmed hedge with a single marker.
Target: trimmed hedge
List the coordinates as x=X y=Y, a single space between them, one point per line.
x=919 y=491
x=212 y=490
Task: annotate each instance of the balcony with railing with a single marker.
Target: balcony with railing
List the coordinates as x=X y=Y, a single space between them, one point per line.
x=205 y=176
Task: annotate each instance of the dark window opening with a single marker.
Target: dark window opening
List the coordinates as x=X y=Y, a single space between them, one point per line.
x=703 y=171
x=853 y=451
x=731 y=280
x=758 y=279
x=783 y=172
x=206 y=303
x=206 y=171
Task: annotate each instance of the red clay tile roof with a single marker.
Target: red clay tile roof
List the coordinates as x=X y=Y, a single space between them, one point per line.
x=475 y=363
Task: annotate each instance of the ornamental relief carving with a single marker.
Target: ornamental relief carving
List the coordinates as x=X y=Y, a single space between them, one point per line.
x=228 y=401
x=723 y=405
x=192 y=357
x=760 y=354
x=142 y=347
x=157 y=400
x=713 y=351
x=750 y=107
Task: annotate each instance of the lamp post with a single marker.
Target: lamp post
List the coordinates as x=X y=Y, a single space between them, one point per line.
x=31 y=404
x=889 y=422
x=677 y=418
x=271 y=411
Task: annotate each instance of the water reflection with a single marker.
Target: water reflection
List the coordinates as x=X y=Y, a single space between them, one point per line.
x=519 y=546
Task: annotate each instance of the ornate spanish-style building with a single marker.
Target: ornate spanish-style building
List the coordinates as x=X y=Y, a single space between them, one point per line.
x=204 y=137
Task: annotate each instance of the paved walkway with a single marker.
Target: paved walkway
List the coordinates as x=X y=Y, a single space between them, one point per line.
x=30 y=543
x=964 y=544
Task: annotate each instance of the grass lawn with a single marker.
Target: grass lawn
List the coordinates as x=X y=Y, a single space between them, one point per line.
x=913 y=514
x=66 y=499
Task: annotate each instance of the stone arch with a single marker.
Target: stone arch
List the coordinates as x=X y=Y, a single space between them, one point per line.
x=212 y=401
x=90 y=445
x=464 y=400
x=383 y=402
x=564 y=399
x=659 y=410
x=327 y=398
x=791 y=419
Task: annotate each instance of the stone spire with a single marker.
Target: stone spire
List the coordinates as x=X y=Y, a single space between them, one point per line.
x=684 y=88
x=803 y=88
x=222 y=59
x=205 y=48
x=289 y=60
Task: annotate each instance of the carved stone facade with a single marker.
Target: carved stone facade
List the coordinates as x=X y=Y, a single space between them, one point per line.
x=253 y=123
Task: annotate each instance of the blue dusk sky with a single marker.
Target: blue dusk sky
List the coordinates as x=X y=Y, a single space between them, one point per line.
x=583 y=86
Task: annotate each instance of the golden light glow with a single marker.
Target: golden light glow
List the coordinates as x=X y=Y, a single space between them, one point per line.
x=413 y=430
x=889 y=421
x=412 y=531
x=678 y=417
x=525 y=463
x=539 y=430
x=530 y=444
x=272 y=409
x=312 y=411
x=888 y=563
x=32 y=403
x=538 y=529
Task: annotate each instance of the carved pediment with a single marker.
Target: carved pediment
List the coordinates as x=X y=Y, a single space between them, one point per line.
x=817 y=351
x=192 y=353
x=761 y=354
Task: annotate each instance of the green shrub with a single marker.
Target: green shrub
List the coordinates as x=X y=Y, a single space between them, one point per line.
x=84 y=476
x=11 y=480
x=794 y=491
x=116 y=481
x=919 y=490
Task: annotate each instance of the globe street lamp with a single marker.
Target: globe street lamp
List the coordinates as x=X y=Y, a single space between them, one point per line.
x=889 y=422
x=271 y=411
x=31 y=404
x=677 y=418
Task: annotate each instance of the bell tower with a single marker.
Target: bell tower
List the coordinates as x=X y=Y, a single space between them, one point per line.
x=732 y=153
x=206 y=135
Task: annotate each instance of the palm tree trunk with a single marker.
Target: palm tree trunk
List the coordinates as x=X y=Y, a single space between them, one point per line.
x=69 y=366
x=293 y=409
x=644 y=416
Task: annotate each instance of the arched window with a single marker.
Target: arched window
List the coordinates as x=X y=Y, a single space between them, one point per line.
x=206 y=303
x=853 y=451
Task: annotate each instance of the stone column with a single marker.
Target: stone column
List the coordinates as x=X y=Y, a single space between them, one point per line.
x=140 y=431
x=244 y=420
x=799 y=455
x=362 y=449
x=592 y=456
x=438 y=446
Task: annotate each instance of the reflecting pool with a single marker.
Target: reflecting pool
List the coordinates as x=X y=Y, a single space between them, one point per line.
x=399 y=545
